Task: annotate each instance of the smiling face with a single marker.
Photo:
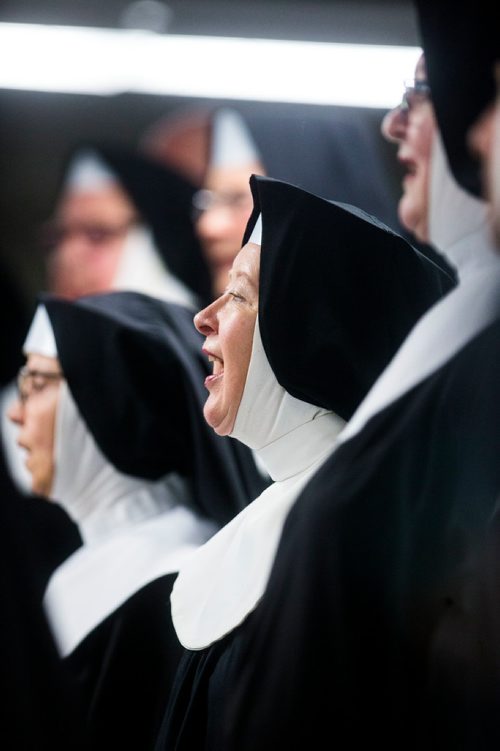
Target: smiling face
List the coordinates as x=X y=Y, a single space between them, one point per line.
x=413 y=128
x=228 y=325
x=35 y=415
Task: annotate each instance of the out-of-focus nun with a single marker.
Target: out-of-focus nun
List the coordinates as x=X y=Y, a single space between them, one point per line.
x=110 y=414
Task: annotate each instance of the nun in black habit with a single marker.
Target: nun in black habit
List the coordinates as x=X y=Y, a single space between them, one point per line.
x=376 y=626
x=123 y=221
x=294 y=351
x=134 y=465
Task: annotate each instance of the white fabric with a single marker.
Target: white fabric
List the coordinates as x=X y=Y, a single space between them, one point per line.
x=223 y=581
x=94 y=581
x=256 y=236
x=100 y=499
x=232 y=143
x=40 y=338
x=134 y=530
x=458 y=222
x=141 y=269
x=88 y=172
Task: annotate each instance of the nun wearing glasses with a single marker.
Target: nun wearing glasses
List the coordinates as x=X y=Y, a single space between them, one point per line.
x=109 y=415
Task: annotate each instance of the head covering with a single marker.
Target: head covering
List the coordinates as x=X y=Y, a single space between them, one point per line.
x=163 y=200
x=135 y=370
x=461 y=44
x=351 y=289
x=231 y=142
x=328 y=274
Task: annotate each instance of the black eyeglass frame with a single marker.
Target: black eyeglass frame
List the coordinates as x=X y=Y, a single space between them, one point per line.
x=26 y=373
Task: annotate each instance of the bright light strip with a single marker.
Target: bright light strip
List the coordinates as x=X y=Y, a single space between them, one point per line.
x=71 y=59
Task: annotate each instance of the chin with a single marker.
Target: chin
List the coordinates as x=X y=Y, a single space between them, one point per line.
x=413 y=218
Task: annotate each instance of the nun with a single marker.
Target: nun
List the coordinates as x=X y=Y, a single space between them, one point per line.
x=373 y=628
x=123 y=221
x=110 y=415
x=303 y=329
x=223 y=205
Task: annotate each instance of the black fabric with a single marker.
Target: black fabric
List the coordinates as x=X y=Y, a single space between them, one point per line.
x=380 y=623
x=39 y=709
x=352 y=290
x=196 y=715
x=461 y=44
x=303 y=342
x=124 y=670
x=163 y=200
x=135 y=369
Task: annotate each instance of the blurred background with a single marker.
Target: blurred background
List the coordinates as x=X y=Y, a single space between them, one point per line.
x=332 y=147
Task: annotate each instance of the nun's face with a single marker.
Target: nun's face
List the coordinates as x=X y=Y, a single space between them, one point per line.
x=412 y=126
x=484 y=139
x=221 y=225
x=228 y=325
x=86 y=241
x=35 y=414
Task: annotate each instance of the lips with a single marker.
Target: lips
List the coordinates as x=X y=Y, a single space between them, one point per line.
x=218 y=369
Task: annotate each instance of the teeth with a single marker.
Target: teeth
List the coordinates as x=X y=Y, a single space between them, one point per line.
x=218 y=365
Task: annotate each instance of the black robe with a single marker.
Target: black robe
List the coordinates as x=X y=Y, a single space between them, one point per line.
x=380 y=619
x=38 y=708
x=123 y=670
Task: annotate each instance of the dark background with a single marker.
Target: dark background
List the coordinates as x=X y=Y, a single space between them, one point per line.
x=38 y=129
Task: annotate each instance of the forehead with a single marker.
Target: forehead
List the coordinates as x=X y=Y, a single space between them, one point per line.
x=35 y=361
x=109 y=201
x=231 y=179
x=247 y=263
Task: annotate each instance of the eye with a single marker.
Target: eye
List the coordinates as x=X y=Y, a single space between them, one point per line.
x=236 y=296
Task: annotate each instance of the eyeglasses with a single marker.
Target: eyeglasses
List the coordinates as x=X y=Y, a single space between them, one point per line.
x=416 y=92
x=31 y=381
x=205 y=200
x=95 y=234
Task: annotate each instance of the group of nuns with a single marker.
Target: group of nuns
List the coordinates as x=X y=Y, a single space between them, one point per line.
x=288 y=510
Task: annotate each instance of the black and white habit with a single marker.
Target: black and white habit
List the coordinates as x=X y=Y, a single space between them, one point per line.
x=315 y=354
x=146 y=481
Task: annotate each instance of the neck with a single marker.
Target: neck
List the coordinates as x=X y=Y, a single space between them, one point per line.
x=458 y=222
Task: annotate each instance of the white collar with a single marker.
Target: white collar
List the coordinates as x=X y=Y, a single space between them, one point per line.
x=95 y=580
x=98 y=498
x=460 y=223
x=224 y=579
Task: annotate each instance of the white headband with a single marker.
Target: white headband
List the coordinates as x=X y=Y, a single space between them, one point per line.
x=232 y=142
x=256 y=236
x=88 y=172
x=40 y=338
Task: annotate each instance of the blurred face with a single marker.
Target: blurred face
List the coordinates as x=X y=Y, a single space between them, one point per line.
x=35 y=414
x=86 y=241
x=228 y=325
x=224 y=208
x=484 y=140
x=412 y=126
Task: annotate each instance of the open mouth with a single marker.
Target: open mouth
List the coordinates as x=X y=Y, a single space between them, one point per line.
x=217 y=370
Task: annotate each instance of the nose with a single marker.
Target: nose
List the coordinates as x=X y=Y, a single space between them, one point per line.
x=15 y=412
x=215 y=223
x=394 y=124
x=206 y=321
